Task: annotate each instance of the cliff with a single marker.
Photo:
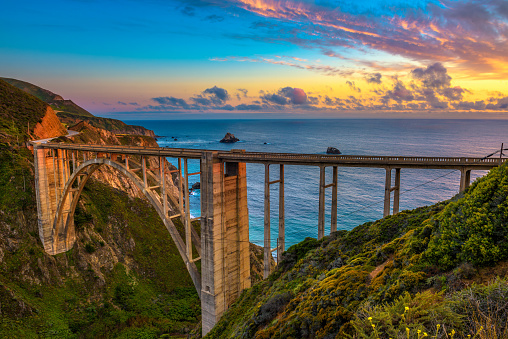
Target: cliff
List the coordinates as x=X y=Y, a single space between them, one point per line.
x=70 y=113
x=49 y=126
x=123 y=277
x=434 y=270
x=23 y=117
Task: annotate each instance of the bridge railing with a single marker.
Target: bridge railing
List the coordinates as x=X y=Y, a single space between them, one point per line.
x=260 y=156
x=237 y=155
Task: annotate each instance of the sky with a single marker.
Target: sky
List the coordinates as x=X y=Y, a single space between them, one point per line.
x=158 y=59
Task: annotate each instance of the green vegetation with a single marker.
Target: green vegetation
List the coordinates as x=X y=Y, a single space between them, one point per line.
x=19 y=111
x=123 y=278
x=127 y=280
x=420 y=259
x=69 y=113
x=54 y=100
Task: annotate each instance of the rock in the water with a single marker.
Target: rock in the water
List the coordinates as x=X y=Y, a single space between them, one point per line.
x=195 y=186
x=332 y=150
x=229 y=138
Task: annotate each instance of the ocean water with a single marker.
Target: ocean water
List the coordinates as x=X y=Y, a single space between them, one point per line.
x=360 y=190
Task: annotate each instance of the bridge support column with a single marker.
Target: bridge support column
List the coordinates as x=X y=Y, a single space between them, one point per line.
x=333 y=223
x=321 y=215
x=389 y=189
x=465 y=179
x=267 y=236
x=396 y=191
x=49 y=183
x=388 y=183
x=225 y=266
x=281 y=247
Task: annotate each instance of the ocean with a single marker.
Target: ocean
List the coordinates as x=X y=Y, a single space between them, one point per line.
x=360 y=190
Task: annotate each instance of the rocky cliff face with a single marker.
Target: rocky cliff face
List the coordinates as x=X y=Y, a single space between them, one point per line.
x=49 y=126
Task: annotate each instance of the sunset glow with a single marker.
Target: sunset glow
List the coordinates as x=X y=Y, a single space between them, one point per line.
x=309 y=58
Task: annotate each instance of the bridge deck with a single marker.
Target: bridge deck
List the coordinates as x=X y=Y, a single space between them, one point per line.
x=294 y=158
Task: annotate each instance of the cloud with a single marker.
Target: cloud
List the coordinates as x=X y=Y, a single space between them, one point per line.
x=398 y=93
x=189 y=11
x=247 y=107
x=214 y=18
x=498 y=104
x=285 y=96
x=434 y=76
x=373 y=78
x=201 y=100
x=470 y=105
x=470 y=34
x=217 y=95
x=291 y=62
x=243 y=94
x=352 y=85
x=172 y=101
x=275 y=99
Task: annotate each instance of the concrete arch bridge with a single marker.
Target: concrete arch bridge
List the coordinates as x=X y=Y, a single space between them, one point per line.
x=62 y=171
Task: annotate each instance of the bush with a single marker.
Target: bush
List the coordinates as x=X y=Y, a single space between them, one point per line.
x=89 y=248
x=485 y=309
x=407 y=317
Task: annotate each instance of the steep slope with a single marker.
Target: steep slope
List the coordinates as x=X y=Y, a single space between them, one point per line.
x=71 y=114
x=336 y=287
x=123 y=277
x=24 y=117
x=54 y=100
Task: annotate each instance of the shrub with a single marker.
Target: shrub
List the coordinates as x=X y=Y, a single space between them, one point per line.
x=89 y=248
x=407 y=317
x=484 y=307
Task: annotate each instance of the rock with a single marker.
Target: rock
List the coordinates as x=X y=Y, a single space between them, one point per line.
x=332 y=150
x=195 y=186
x=229 y=138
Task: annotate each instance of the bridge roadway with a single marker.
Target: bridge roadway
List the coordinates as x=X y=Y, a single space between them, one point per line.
x=457 y=163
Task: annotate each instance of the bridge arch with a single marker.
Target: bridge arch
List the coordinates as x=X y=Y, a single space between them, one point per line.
x=63 y=232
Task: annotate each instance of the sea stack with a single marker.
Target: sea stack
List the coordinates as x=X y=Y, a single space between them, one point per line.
x=332 y=150
x=229 y=138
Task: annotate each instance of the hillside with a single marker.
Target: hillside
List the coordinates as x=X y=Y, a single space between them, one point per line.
x=123 y=277
x=23 y=117
x=71 y=114
x=399 y=277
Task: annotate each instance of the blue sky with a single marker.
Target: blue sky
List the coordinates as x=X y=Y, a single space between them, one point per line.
x=307 y=58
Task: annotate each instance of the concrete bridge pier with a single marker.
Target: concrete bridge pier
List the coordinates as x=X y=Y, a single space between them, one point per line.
x=322 y=191
x=225 y=266
x=389 y=189
x=52 y=171
x=465 y=179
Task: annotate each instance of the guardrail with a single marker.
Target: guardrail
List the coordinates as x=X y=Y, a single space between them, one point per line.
x=296 y=158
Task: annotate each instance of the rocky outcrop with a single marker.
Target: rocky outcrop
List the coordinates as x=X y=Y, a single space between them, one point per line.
x=257 y=263
x=332 y=150
x=49 y=126
x=195 y=186
x=229 y=138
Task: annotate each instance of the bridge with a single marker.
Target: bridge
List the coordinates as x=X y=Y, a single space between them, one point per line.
x=62 y=171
